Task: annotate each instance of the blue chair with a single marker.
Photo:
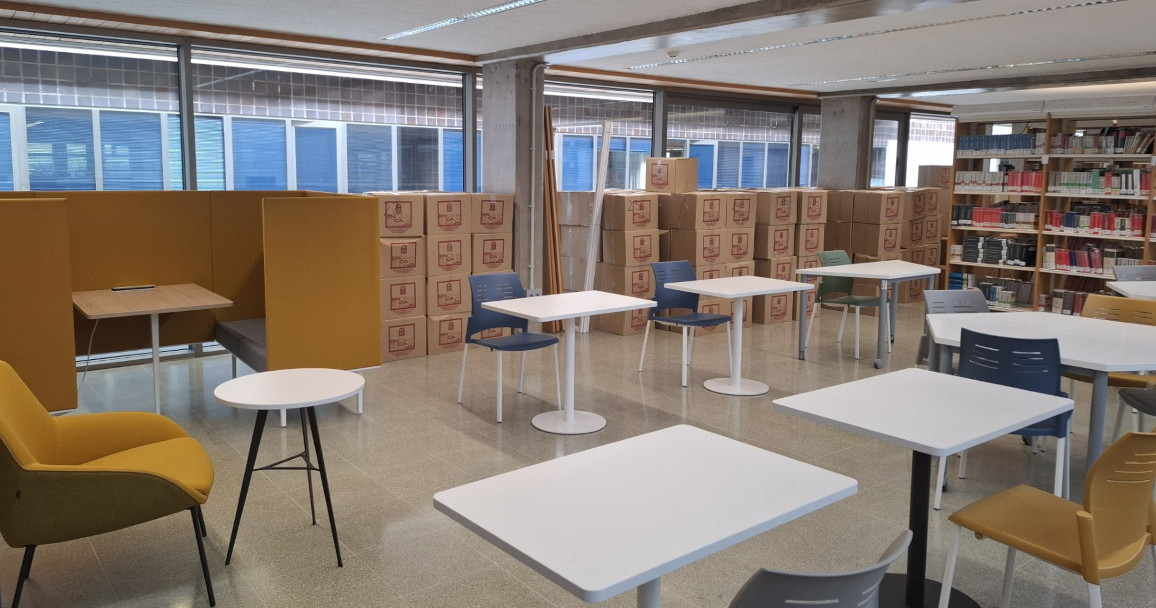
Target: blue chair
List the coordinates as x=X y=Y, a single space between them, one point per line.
x=837 y=291
x=503 y=286
x=672 y=299
x=1028 y=364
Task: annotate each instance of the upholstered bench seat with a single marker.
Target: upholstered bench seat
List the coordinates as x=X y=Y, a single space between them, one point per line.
x=246 y=340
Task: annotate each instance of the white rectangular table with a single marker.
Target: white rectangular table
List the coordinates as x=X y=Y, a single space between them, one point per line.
x=737 y=288
x=1096 y=346
x=1141 y=290
x=933 y=415
x=887 y=272
x=568 y=307
x=622 y=515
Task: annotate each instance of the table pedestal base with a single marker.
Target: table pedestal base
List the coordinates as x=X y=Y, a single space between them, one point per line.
x=893 y=592
x=745 y=388
x=555 y=422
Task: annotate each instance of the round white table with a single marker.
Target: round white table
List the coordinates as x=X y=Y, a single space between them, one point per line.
x=300 y=389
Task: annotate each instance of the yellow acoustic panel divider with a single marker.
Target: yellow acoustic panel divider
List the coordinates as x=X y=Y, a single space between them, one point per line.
x=36 y=298
x=322 y=285
x=238 y=257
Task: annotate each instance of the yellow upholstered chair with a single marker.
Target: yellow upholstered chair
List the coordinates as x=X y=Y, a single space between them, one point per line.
x=70 y=477
x=1105 y=537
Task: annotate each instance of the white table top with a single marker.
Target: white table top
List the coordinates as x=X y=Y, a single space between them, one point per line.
x=889 y=270
x=739 y=287
x=556 y=307
x=606 y=520
x=1141 y=290
x=928 y=412
x=289 y=388
x=1092 y=344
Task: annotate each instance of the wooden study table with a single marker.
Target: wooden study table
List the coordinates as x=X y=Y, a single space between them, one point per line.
x=152 y=301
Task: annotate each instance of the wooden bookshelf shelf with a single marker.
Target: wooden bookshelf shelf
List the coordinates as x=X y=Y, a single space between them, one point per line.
x=1116 y=197
x=995 y=230
x=1107 y=276
x=1135 y=239
x=999 y=155
x=1105 y=157
x=995 y=193
x=995 y=266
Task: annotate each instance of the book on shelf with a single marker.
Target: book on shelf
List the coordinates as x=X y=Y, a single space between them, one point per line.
x=1012 y=143
x=1012 y=182
x=1113 y=140
x=1111 y=182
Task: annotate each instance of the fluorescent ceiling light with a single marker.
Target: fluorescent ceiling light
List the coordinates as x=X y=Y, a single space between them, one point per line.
x=485 y=12
x=365 y=72
x=87 y=48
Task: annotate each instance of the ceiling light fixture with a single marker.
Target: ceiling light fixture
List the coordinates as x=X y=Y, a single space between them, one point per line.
x=485 y=12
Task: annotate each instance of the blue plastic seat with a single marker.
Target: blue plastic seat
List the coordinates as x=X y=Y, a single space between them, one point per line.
x=673 y=300
x=838 y=291
x=503 y=286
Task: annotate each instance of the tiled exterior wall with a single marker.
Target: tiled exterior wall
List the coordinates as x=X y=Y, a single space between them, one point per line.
x=693 y=122
x=88 y=81
x=630 y=118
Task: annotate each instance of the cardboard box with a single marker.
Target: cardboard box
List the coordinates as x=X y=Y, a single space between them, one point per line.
x=778 y=268
x=936 y=176
x=630 y=211
x=840 y=206
x=933 y=254
x=401 y=213
x=742 y=245
x=701 y=247
x=448 y=214
x=936 y=201
x=492 y=252
x=777 y=207
x=774 y=241
x=693 y=210
x=712 y=271
x=575 y=208
x=622 y=323
x=403 y=297
x=774 y=308
x=931 y=231
x=741 y=210
x=809 y=239
x=812 y=206
x=492 y=213
x=672 y=175
x=915 y=206
x=911 y=233
x=875 y=239
x=445 y=333
x=448 y=254
x=403 y=257
x=878 y=206
x=740 y=269
x=912 y=291
x=630 y=248
x=637 y=281
x=403 y=339
x=448 y=294
x=837 y=236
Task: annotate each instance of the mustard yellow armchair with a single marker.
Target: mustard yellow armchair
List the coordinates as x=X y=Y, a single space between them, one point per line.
x=76 y=476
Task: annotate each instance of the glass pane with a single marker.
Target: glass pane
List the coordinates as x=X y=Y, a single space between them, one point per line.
x=616 y=169
x=259 y=158
x=417 y=158
x=884 y=152
x=778 y=165
x=733 y=130
x=130 y=151
x=452 y=163
x=729 y=164
x=809 y=157
x=209 y=132
x=753 y=158
x=316 y=151
x=60 y=150
x=636 y=168
x=930 y=141
x=577 y=165
x=176 y=166
x=705 y=155
x=370 y=157
x=7 y=177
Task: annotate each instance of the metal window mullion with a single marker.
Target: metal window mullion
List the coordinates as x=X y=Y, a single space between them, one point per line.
x=166 y=181
x=21 y=180
x=290 y=155
x=658 y=124
x=227 y=136
x=795 y=150
x=186 y=107
x=469 y=132
x=441 y=159
x=342 y=158
x=394 y=138
x=97 y=152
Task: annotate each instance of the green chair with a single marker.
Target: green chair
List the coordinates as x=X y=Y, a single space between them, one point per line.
x=838 y=291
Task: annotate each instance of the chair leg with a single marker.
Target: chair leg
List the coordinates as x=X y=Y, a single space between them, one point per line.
x=521 y=371
x=201 y=519
x=645 y=337
x=1009 y=571
x=949 y=570
x=198 y=530
x=284 y=420
x=962 y=465
x=842 y=324
x=811 y=325
x=499 y=353
x=1094 y=600
x=234 y=366
x=462 y=379
x=887 y=331
x=857 y=332
x=25 y=567
x=685 y=355
x=557 y=379
x=1139 y=421
x=940 y=479
x=1061 y=456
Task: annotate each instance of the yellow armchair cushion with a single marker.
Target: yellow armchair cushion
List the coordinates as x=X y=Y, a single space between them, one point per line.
x=182 y=461
x=86 y=437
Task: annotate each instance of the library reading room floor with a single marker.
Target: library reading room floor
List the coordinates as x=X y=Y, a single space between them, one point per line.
x=414 y=440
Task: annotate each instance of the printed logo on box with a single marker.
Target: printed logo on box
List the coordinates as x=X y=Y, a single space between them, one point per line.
x=890 y=238
x=640 y=211
x=660 y=174
x=783 y=271
x=740 y=245
x=493 y=213
x=919 y=202
x=403 y=297
x=402 y=339
x=493 y=332
x=711 y=211
x=711 y=246
x=449 y=293
x=891 y=207
x=449 y=332
x=713 y=273
x=782 y=237
x=740 y=271
x=931 y=227
x=639 y=282
x=917 y=231
x=931 y=203
x=402 y=256
x=449 y=254
x=811 y=239
x=741 y=211
x=710 y=308
x=643 y=248
x=638 y=318
x=778 y=306
x=783 y=206
x=398 y=216
x=493 y=252
x=449 y=214
x=814 y=207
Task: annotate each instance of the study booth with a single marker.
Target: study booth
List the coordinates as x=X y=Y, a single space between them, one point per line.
x=305 y=262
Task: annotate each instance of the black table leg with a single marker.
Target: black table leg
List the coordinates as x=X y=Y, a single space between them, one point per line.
x=308 y=471
x=324 y=480
x=258 y=430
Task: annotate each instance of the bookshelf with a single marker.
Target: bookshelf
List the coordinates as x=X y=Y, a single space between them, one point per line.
x=1052 y=206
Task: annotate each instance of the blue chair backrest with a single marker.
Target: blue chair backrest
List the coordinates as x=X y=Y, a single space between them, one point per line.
x=672 y=272
x=1025 y=363
x=835 y=257
x=488 y=288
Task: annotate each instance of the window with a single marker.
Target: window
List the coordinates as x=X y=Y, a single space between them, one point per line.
x=60 y=149
x=809 y=154
x=130 y=150
x=577 y=164
x=210 y=135
x=729 y=164
x=316 y=162
x=7 y=174
x=580 y=111
x=417 y=160
x=370 y=157
x=884 y=152
x=453 y=167
x=704 y=152
x=778 y=165
x=753 y=155
x=753 y=146
x=259 y=161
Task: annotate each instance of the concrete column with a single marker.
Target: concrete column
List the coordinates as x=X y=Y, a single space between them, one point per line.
x=845 y=137
x=512 y=140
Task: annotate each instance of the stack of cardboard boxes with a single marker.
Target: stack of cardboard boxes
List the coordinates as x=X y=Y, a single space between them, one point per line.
x=430 y=245
x=630 y=238
x=789 y=234
x=575 y=214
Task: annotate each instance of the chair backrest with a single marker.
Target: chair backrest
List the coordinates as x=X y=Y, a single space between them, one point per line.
x=488 y=288
x=954 y=300
x=1135 y=273
x=1027 y=363
x=672 y=272
x=856 y=589
x=27 y=431
x=835 y=257
x=1118 y=498
x=1115 y=308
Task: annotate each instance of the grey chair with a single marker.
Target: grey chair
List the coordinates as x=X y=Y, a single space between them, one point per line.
x=1143 y=400
x=939 y=301
x=1134 y=273
x=859 y=588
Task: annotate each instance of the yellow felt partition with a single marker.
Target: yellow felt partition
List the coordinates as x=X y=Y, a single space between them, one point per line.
x=36 y=333
x=322 y=283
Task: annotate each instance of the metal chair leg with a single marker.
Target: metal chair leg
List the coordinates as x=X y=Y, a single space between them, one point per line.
x=199 y=532
x=810 y=325
x=25 y=567
x=842 y=324
x=857 y=332
x=499 y=353
x=521 y=371
x=1009 y=571
x=949 y=570
x=684 y=356
x=462 y=379
x=557 y=379
x=645 y=337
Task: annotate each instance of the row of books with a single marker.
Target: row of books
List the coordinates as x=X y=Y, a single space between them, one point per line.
x=1104 y=223
x=1007 y=292
x=1068 y=301
x=993 y=217
x=1134 y=182
x=1030 y=182
x=990 y=145
x=1088 y=258
x=996 y=250
x=1115 y=140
